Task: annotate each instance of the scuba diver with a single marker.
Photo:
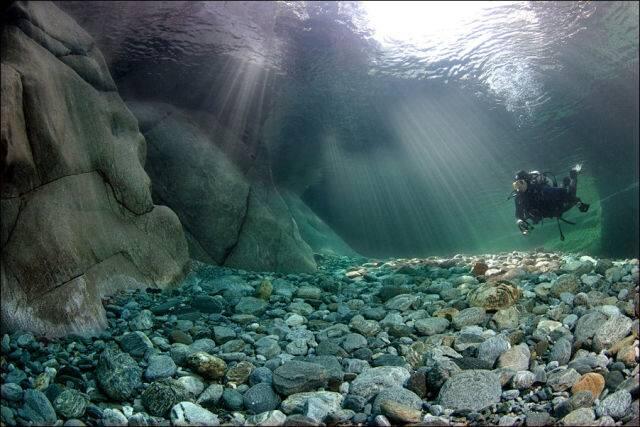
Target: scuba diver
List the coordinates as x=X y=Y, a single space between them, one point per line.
x=537 y=196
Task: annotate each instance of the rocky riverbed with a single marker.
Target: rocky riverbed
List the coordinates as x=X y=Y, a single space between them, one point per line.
x=507 y=339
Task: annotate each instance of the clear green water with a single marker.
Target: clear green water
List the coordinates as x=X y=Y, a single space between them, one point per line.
x=402 y=130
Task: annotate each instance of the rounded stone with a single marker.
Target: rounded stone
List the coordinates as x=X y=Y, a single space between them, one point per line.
x=160 y=366
x=261 y=398
x=70 y=404
x=615 y=405
x=37 y=408
x=118 y=375
x=397 y=395
x=580 y=417
x=261 y=375
x=240 y=373
x=189 y=414
x=162 y=395
x=591 y=382
x=296 y=376
x=208 y=366
x=431 y=325
x=469 y=316
x=371 y=381
x=232 y=399
x=471 y=390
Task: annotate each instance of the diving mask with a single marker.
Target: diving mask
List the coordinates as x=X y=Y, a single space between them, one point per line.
x=520 y=185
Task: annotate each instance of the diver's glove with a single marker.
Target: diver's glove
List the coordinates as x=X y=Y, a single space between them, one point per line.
x=524 y=226
x=576 y=169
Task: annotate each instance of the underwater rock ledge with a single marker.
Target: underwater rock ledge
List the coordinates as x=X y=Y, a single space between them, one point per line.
x=359 y=342
x=78 y=221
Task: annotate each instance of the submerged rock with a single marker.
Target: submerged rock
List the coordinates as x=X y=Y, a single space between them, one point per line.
x=118 y=375
x=190 y=414
x=209 y=366
x=162 y=395
x=295 y=377
x=471 y=390
x=372 y=381
x=494 y=296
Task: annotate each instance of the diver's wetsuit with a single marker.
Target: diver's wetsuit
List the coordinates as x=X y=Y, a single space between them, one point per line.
x=542 y=200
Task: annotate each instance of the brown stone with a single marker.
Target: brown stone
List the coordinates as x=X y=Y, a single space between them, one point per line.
x=494 y=296
x=264 y=290
x=627 y=355
x=239 y=374
x=208 y=366
x=479 y=268
x=625 y=342
x=447 y=313
x=592 y=382
x=400 y=413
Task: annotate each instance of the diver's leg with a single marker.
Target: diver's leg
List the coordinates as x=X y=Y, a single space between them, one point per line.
x=573 y=182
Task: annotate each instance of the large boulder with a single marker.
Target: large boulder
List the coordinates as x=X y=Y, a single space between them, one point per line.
x=221 y=190
x=314 y=230
x=78 y=220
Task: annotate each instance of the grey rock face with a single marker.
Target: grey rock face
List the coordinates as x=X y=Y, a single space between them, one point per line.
x=242 y=220
x=113 y=417
x=490 y=349
x=611 y=331
x=99 y=160
x=587 y=325
x=210 y=397
x=473 y=390
x=561 y=379
x=143 y=321
x=580 y=417
x=118 y=374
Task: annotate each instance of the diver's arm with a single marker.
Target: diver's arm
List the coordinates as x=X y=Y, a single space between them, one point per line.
x=521 y=216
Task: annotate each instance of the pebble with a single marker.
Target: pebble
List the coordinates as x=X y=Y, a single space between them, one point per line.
x=580 y=417
x=470 y=390
x=591 y=382
x=296 y=376
x=389 y=344
x=191 y=414
x=209 y=366
x=615 y=405
x=118 y=375
x=70 y=404
x=114 y=417
x=261 y=398
x=516 y=358
x=37 y=408
x=160 y=366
